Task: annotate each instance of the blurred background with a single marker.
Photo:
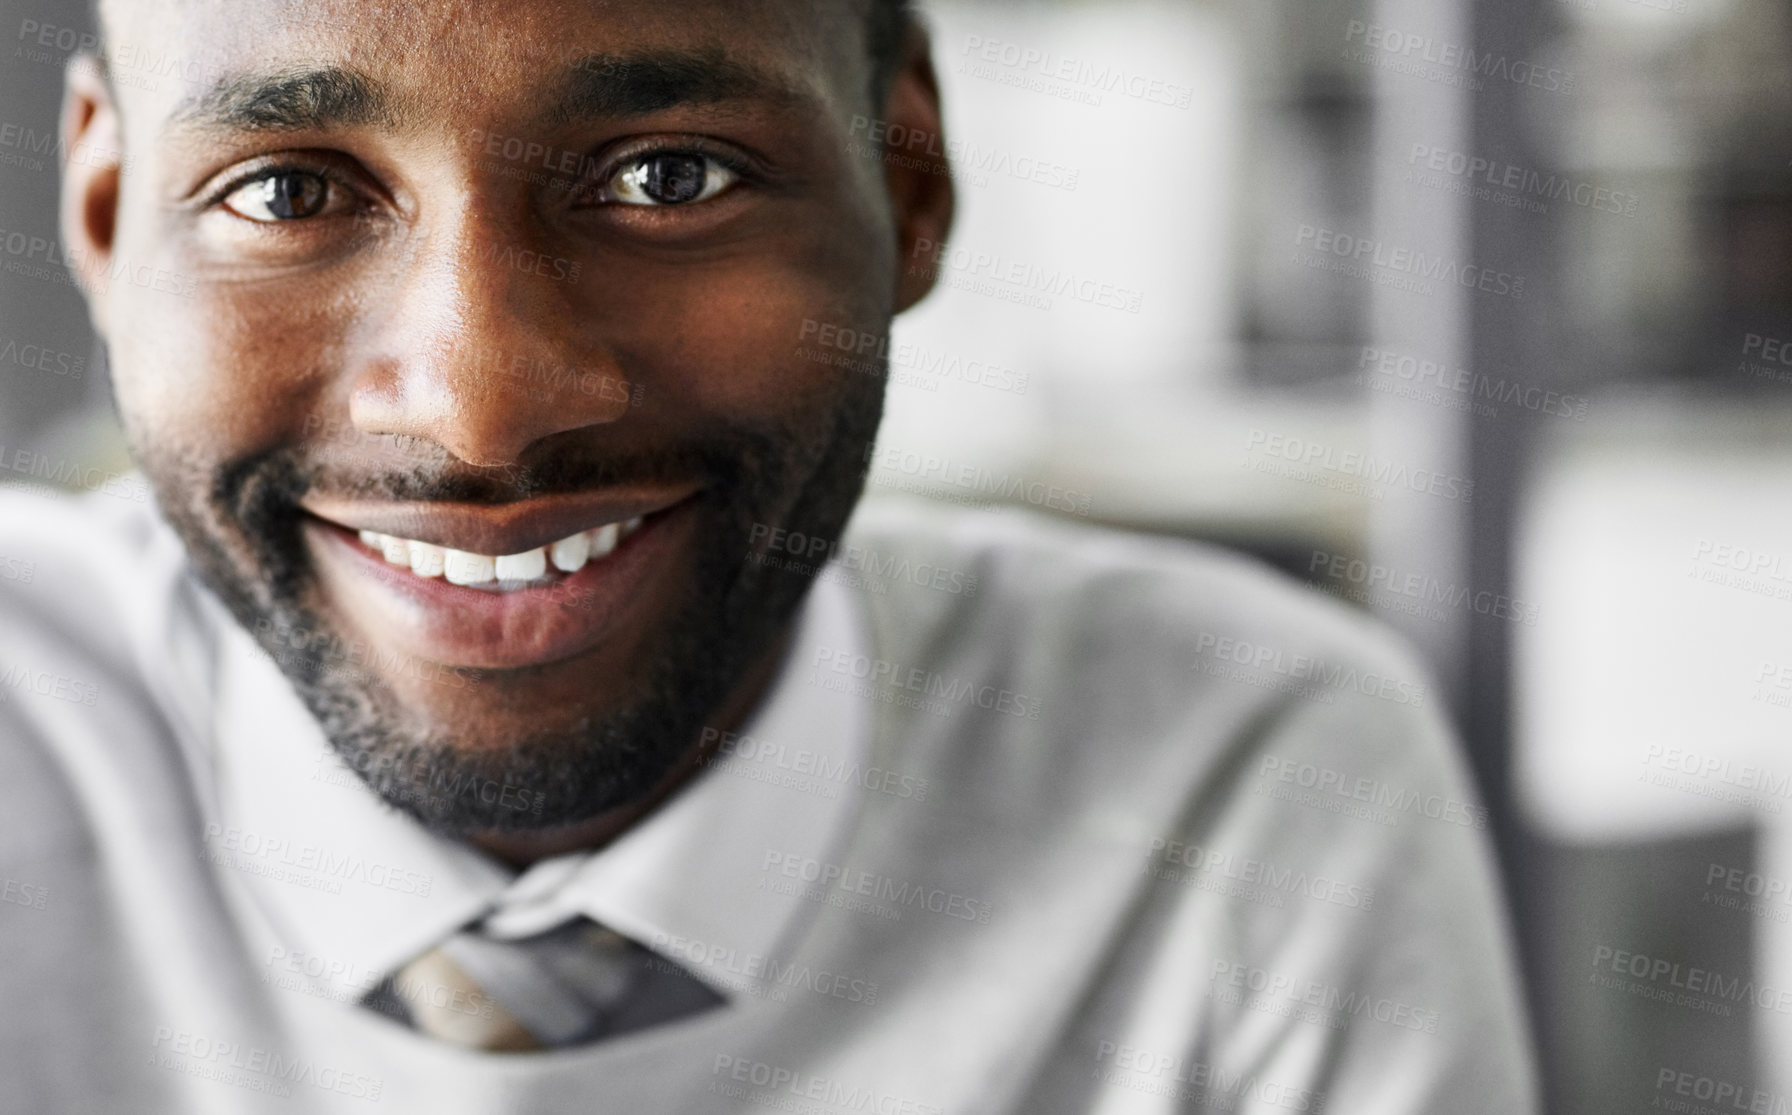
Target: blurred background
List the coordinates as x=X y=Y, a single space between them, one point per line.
x=1476 y=314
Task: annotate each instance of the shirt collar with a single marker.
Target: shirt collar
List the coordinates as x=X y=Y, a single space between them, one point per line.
x=355 y=889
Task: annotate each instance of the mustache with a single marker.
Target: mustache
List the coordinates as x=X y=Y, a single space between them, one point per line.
x=272 y=483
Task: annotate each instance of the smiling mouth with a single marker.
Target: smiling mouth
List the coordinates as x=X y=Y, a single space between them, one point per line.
x=503 y=573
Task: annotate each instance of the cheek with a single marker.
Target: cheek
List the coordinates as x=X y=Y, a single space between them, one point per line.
x=224 y=370
x=742 y=345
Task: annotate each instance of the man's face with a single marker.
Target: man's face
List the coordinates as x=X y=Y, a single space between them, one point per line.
x=495 y=281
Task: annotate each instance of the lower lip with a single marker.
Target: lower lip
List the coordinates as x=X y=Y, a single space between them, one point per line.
x=430 y=619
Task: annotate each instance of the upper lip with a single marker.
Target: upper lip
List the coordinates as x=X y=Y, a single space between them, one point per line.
x=495 y=529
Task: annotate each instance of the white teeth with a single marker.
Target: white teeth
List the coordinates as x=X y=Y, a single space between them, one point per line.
x=397 y=550
x=603 y=540
x=525 y=566
x=463 y=568
x=428 y=560
x=570 y=554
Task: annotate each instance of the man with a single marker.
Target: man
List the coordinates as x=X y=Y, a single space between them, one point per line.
x=491 y=716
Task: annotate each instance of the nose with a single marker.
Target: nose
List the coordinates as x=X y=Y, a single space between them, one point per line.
x=484 y=347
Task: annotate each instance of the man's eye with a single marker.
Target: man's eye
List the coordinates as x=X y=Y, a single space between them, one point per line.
x=288 y=195
x=671 y=178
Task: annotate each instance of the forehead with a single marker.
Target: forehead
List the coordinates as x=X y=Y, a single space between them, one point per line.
x=177 y=60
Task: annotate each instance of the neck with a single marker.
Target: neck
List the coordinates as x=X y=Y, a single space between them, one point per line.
x=520 y=849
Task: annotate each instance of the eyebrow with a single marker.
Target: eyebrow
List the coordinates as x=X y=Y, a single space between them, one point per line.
x=598 y=86
x=292 y=100
x=593 y=86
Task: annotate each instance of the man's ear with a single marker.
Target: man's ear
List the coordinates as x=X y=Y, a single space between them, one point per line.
x=92 y=161
x=918 y=173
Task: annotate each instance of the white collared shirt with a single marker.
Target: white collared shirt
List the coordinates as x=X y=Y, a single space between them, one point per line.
x=1038 y=819
x=359 y=888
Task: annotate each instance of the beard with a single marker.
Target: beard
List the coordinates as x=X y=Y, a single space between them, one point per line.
x=241 y=523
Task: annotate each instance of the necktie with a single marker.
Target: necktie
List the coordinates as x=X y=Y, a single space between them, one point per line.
x=575 y=983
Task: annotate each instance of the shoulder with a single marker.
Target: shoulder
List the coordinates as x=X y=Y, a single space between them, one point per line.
x=85 y=579
x=1116 y=668
x=1218 y=745
x=1070 y=601
x=100 y=655
x=76 y=553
